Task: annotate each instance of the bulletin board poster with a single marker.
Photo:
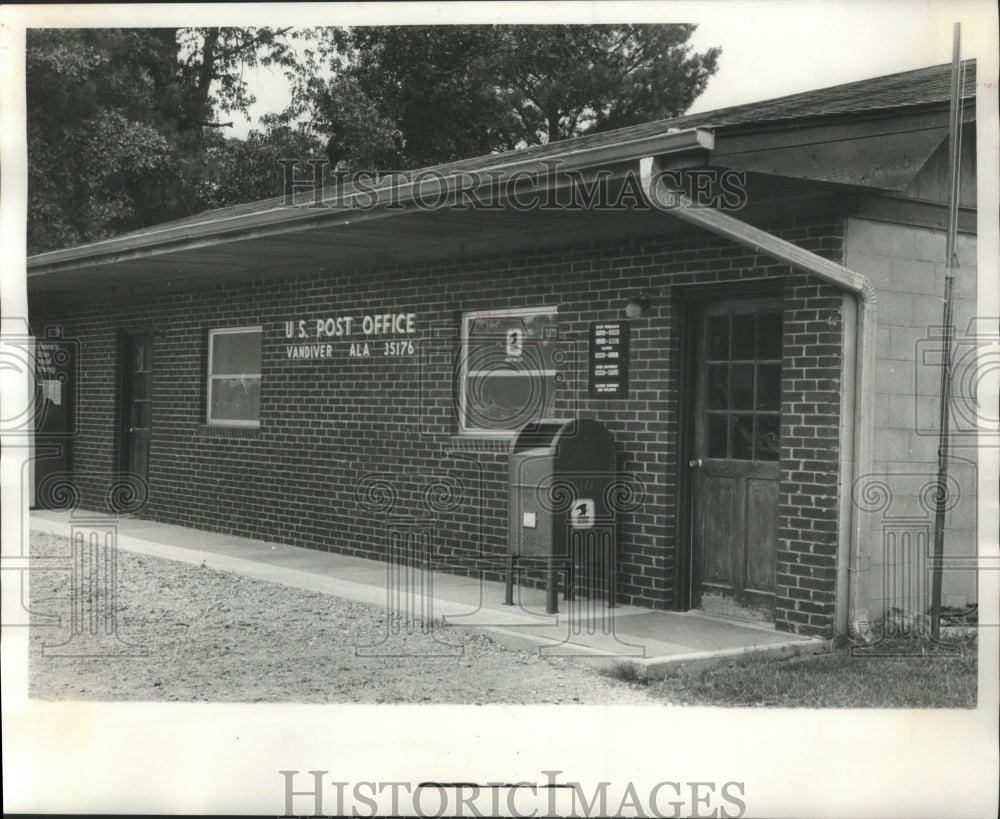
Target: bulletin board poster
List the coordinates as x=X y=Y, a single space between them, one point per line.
x=55 y=384
x=608 y=360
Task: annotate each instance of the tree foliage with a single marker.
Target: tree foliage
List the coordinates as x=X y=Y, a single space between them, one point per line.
x=120 y=122
x=246 y=170
x=405 y=97
x=123 y=127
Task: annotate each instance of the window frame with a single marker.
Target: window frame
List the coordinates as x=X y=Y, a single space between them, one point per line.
x=468 y=316
x=729 y=362
x=210 y=376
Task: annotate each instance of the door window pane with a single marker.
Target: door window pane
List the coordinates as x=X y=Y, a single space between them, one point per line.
x=717 y=432
x=718 y=386
x=769 y=336
x=741 y=402
x=767 y=437
x=718 y=338
x=769 y=386
x=742 y=386
x=743 y=338
x=742 y=431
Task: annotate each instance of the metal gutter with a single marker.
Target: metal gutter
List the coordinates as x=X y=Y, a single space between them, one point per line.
x=356 y=205
x=722 y=224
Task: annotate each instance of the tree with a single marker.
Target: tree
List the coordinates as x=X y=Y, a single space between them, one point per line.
x=571 y=80
x=249 y=170
x=120 y=122
x=124 y=130
x=404 y=97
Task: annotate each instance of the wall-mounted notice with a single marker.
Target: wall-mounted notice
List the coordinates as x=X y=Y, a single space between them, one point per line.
x=608 y=368
x=55 y=379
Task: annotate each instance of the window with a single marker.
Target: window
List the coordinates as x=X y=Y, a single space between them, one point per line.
x=234 y=377
x=743 y=404
x=509 y=369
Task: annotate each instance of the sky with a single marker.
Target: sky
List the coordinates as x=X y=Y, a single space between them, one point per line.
x=769 y=48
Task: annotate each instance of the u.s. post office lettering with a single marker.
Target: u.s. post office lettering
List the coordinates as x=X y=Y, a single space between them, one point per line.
x=386 y=334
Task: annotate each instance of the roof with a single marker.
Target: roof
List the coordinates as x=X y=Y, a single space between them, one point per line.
x=895 y=95
x=924 y=86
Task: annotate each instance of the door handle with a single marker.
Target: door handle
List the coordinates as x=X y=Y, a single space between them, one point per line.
x=695 y=463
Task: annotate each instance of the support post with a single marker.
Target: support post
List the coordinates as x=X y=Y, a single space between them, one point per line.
x=508 y=586
x=551 y=586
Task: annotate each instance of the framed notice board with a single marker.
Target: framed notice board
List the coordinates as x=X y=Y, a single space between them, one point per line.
x=607 y=365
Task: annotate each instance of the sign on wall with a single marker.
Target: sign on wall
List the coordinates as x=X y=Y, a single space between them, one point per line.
x=388 y=335
x=581 y=514
x=55 y=377
x=515 y=342
x=56 y=361
x=608 y=363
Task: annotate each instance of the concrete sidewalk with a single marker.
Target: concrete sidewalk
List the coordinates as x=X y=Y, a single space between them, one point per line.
x=656 y=643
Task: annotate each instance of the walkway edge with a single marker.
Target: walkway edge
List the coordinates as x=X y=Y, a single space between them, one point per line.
x=294 y=578
x=648 y=667
x=307 y=581
x=502 y=634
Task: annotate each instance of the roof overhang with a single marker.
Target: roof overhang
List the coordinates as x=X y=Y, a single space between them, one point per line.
x=512 y=179
x=791 y=166
x=881 y=150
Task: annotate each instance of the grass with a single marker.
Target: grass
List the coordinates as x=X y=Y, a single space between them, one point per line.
x=626 y=673
x=909 y=673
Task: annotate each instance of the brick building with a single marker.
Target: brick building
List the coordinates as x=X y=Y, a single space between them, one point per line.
x=769 y=275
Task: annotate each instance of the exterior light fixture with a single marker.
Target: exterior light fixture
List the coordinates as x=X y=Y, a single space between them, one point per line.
x=637 y=305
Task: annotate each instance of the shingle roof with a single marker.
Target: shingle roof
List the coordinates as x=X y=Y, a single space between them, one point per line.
x=924 y=86
x=921 y=87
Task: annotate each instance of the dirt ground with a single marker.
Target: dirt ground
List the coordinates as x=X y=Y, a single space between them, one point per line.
x=217 y=636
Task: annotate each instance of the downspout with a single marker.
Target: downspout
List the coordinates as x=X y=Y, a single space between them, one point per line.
x=760 y=241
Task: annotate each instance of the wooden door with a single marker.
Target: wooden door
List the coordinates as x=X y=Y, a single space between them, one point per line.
x=137 y=405
x=737 y=426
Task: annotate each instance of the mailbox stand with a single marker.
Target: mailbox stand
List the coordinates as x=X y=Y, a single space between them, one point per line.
x=560 y=474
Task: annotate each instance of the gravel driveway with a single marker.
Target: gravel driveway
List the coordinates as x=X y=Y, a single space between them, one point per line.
x=217 y=636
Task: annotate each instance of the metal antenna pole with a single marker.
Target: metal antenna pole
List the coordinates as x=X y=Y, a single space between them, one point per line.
x=955 y=153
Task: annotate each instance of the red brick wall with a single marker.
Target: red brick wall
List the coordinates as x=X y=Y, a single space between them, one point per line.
x=332 y=428
x=809 y=483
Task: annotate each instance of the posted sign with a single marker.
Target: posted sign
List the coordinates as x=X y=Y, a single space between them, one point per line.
x=608 y=364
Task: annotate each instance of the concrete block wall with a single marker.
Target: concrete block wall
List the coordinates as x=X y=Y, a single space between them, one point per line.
x=347 y=444
x=907 y=266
